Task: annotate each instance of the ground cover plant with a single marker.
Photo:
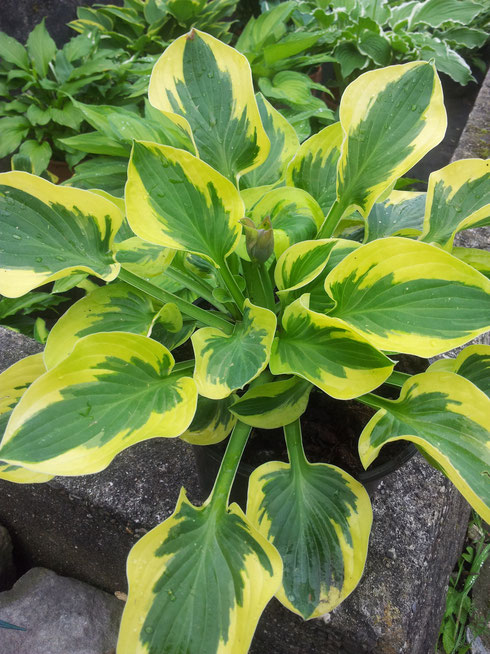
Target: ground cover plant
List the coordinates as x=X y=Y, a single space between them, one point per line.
x=454 y=636
x=232 y=210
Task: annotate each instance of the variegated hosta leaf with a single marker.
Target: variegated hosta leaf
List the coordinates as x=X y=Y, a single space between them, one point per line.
x=473 y=363
x=210 y=85
x=328 y=353
x=301 y=263
x=48 y=231
x=314 y=167
x=170 y=318
x=411 y=297
x=319 y=518
x=124 y=126
x=446 y=416
x=457 y=198
x=284 y=143
x=225 y=363
x=112 y=391
x=198 y=584
x=319 y=300
x=401 y=213
x=478 y=259
x=212 y=422
x=168 y=337
x=142 y=258
x=294 y=214
x=391 y=118
x=13 y=384
x=116 y=307
x=274 y=404
x=178 y=201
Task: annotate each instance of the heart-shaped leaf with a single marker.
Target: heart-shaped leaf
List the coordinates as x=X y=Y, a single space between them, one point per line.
x=447 y=417
x=112 y=391
x=48 y=231
x=409 y=296
x=198 y=583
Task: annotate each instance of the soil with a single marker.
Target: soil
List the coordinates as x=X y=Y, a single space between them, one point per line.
x=330 y=430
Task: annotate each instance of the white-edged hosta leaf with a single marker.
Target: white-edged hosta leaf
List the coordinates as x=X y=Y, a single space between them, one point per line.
x=284 y=143
x=113 y=390
x=198 y=584
x=319 y=518
x=437 y=12
x=401 y=213
x=478 y=259
x=212 y=422
x=467 y=37
x=391 y=118
x=447 y=417
x=274 y=404
x=301 y=263
x=327 y=352
x=210 y=85
x=226 y=362
x=48 y=231
x=457 y=198
x=13 y=384
x=408 y=296
x=116 y=307
x=295 y=216
x=142 y=258
x=314 y=167
x=176 y=200
x=473 y=363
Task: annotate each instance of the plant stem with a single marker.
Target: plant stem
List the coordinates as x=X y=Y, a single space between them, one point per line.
x=336 y=212
x=397 y=378
x=259 y=284
x=222 y=486
x=183 y=367
x=231 y=285
x=205 y=317
x=374 y=401
x=194 y=284
x=294 y=443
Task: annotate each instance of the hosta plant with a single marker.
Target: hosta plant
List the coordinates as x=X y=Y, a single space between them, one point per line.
x=257 y=227
x=39 y=86
x=366 y=34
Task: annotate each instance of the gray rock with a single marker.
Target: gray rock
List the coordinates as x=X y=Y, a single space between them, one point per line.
x=60 y=615
x=475 y=139
x=67 y=522
x=7 y=569
x=14 y=346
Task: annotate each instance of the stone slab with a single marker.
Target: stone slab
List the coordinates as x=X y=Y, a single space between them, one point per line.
x=59 y=615
x=84 y=527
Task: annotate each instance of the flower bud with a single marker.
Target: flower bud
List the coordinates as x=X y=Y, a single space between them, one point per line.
x=259 y=240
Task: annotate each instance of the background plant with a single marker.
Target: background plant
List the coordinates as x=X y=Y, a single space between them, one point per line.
x=38 y=85
x=459 y=611
x=293 y=304
x=364 y=35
